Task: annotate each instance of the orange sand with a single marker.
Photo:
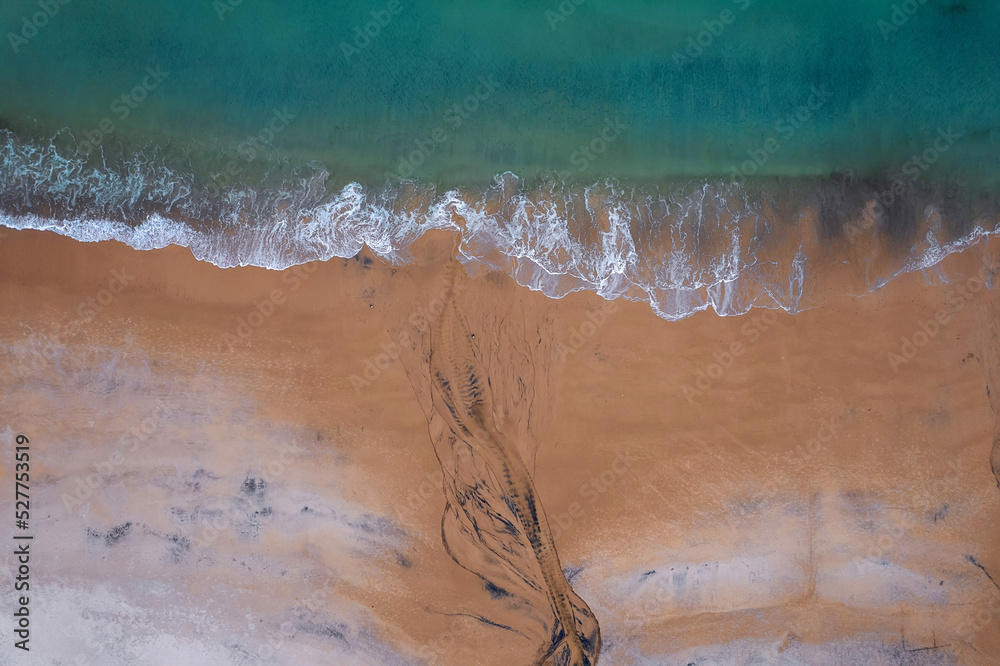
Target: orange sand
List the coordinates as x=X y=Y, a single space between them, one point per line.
x=807 y=495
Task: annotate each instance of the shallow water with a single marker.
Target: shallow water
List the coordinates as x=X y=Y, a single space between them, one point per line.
x=692 y=89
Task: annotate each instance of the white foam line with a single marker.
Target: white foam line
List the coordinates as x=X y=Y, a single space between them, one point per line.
x=556 y=245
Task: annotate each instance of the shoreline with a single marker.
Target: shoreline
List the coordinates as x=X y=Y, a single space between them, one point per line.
x=729 y=250
x=746 y=484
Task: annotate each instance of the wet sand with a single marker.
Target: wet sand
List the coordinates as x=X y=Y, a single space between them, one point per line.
x=237 y=466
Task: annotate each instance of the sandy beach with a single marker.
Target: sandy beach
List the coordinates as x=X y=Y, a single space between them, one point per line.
x=244 y=466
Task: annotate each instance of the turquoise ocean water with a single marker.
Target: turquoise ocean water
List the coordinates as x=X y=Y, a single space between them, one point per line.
x=668 y=142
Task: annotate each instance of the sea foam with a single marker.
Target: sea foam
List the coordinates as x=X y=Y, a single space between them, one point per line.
x=696 y=245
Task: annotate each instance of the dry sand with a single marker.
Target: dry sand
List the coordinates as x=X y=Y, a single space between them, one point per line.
x=208 y=491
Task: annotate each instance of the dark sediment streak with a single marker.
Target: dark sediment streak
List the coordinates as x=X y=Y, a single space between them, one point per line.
x=462 y=398
x=479 y=365
x=989 y=361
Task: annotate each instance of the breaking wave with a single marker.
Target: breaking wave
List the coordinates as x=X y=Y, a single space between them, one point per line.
x=722 y=244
